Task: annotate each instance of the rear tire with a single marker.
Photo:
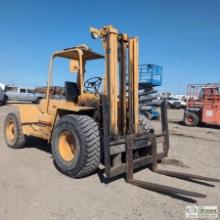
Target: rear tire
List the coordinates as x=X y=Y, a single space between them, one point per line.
x=14 y=136
x=76 y=145
x=191 y=119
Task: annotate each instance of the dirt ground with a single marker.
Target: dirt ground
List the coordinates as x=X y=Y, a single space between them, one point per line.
x=32 y=188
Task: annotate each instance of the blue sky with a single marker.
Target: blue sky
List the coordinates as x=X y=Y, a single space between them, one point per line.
x=183 y=36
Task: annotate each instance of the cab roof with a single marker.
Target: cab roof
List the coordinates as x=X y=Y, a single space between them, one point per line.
x=71 y=53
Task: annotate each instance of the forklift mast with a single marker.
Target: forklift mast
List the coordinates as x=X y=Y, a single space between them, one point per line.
x=120 y=51
x=126 y=147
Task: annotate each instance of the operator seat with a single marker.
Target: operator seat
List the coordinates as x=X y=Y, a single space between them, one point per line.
x=71 y=91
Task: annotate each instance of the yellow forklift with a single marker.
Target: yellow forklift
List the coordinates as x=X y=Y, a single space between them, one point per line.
x=92 y=127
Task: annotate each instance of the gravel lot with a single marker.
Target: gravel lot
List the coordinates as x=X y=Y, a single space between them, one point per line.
x=32 y=188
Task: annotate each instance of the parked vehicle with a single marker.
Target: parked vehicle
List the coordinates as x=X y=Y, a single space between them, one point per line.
x=157 y=101
x=203 y=104
x=2 y=96
x=21 y=94
x=183 y=103
x=173 y=102
x=181 y=98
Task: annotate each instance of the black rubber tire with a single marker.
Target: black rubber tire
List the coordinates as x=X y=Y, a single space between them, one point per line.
x=5 y=100
x=38 y=100
x=87 y=145
x=169 y=106
x=191 y=119
x=19 y=140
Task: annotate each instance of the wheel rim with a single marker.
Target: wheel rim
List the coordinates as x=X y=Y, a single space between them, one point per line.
x=11 y=130
x=67 y=147
x=190 y=119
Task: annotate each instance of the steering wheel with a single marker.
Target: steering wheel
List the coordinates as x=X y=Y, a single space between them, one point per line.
x=93 y=83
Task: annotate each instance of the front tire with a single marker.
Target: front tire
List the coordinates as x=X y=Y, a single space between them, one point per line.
x=76 y=145
x=14 y=136
x=191 y=119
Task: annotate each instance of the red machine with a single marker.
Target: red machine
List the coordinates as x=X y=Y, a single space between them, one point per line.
x=203 y=104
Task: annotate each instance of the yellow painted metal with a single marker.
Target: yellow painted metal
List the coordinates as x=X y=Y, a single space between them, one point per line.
x=55 y=105
x=105 y=84
x=50 y=76
x=103 y=31
x=66 y=146
x=28 y=112
x=80 y=54
x=109 y=36
x=39 y=120
x=77 y=53
x=136 y=79
x=81 y=72
x=74 y=66
x=72 y=53
x=88 y=99
x=112 y=79
x=133 y=83
x=31 y=116
x=10 y=130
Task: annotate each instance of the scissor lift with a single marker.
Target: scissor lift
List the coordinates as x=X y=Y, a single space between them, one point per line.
x=150 y=76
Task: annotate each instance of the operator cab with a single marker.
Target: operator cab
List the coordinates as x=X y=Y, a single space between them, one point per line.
x=78 y=57
x=209 y=93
